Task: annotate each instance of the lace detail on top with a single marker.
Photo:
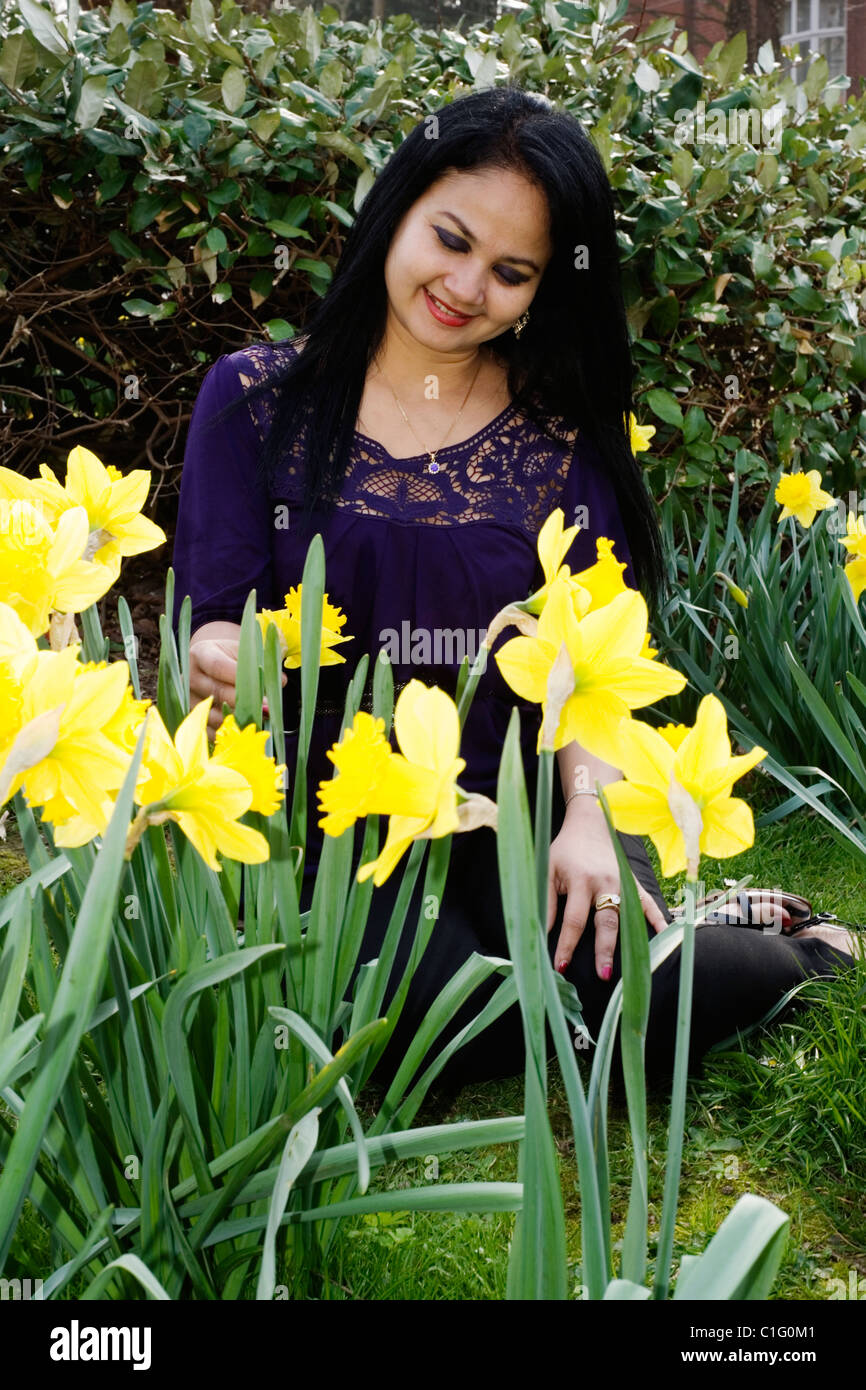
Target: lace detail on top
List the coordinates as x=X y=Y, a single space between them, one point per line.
x=509 y=472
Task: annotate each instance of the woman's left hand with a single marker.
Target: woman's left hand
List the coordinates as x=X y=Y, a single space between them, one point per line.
x=583 y=865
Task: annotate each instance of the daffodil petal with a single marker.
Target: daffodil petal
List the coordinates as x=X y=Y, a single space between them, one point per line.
x=637 y=810
x=524 y=663
x=729 y=827
x=671 y=846
x=427 y=725
x=645 y=757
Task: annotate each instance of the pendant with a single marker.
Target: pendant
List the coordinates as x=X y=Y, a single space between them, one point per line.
x=433 y=466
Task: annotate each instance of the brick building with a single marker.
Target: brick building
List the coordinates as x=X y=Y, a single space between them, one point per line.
x=836 y=28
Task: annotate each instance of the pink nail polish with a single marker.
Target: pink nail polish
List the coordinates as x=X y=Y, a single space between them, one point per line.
x=606 y=972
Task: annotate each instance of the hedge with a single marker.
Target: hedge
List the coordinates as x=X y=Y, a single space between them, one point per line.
x=173 y=189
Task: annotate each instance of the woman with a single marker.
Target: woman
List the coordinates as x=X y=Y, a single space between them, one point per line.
x=467 y=372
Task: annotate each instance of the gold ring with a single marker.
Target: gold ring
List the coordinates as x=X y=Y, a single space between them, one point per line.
x=608 y=900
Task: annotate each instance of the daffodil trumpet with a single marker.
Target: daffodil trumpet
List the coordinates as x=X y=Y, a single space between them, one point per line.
x=639 y=435
x=287 y=621
x=415 y=787
x=801 y=496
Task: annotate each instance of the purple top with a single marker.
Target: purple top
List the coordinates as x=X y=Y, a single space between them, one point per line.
x=418 y=562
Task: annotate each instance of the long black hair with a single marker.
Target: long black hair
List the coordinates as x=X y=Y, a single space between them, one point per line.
x=572 y=361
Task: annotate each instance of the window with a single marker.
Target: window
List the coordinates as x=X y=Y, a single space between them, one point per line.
x=818 y=26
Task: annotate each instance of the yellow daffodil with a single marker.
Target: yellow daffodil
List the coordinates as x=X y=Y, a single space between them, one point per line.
x=678 y=789
x=41 y=568
x=125 y=724
x=122 y=729
x=288 y=624
x=55 y=746
x=372 y=780
x=18 y=650
x=603 y=580
x=112 y=502
x=673 y=733
x=639 y=435
x=609 y=676
x=855 y=573
x=801 y=496
x=179 y=781
x=855 y=539
x=244 y=750
x=737 y=594
x=553 y=544
x=590 y=588
x=416 y=787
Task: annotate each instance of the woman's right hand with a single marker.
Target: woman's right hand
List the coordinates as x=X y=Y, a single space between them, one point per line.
x=213 y=670
x=213 y=666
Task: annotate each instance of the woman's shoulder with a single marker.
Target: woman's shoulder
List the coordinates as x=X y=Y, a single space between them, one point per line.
x=258 y=361
x=251 y=369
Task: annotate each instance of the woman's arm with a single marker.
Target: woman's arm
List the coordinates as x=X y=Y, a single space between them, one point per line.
x=579 y=769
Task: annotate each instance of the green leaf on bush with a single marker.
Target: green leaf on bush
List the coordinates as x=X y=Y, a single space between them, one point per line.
x=713 y=185
x=122 y=244
x=286 y=229
x=665 y=406
x=141 y=85
x=318 y=269
x=279 y=330
x=196 y=129
x=234 y=88
x=145 y=209
x=18 y=60
x=43 y=28
x=139 y=307
x=682 y=168
x=339 y=212
x=108 y=143
x=732 y=59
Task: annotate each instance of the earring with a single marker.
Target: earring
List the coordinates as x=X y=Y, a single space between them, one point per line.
x=520 y=324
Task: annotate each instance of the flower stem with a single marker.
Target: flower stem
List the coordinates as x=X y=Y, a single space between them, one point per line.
x=661 y=1283
x=795 y=544
x=543 y=795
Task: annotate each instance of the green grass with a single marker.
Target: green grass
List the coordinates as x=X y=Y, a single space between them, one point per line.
x=772 y=1118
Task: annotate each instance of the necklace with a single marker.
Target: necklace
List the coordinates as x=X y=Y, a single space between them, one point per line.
x=433 y=466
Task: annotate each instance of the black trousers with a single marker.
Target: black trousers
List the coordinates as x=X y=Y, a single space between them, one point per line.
x=739 y=973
